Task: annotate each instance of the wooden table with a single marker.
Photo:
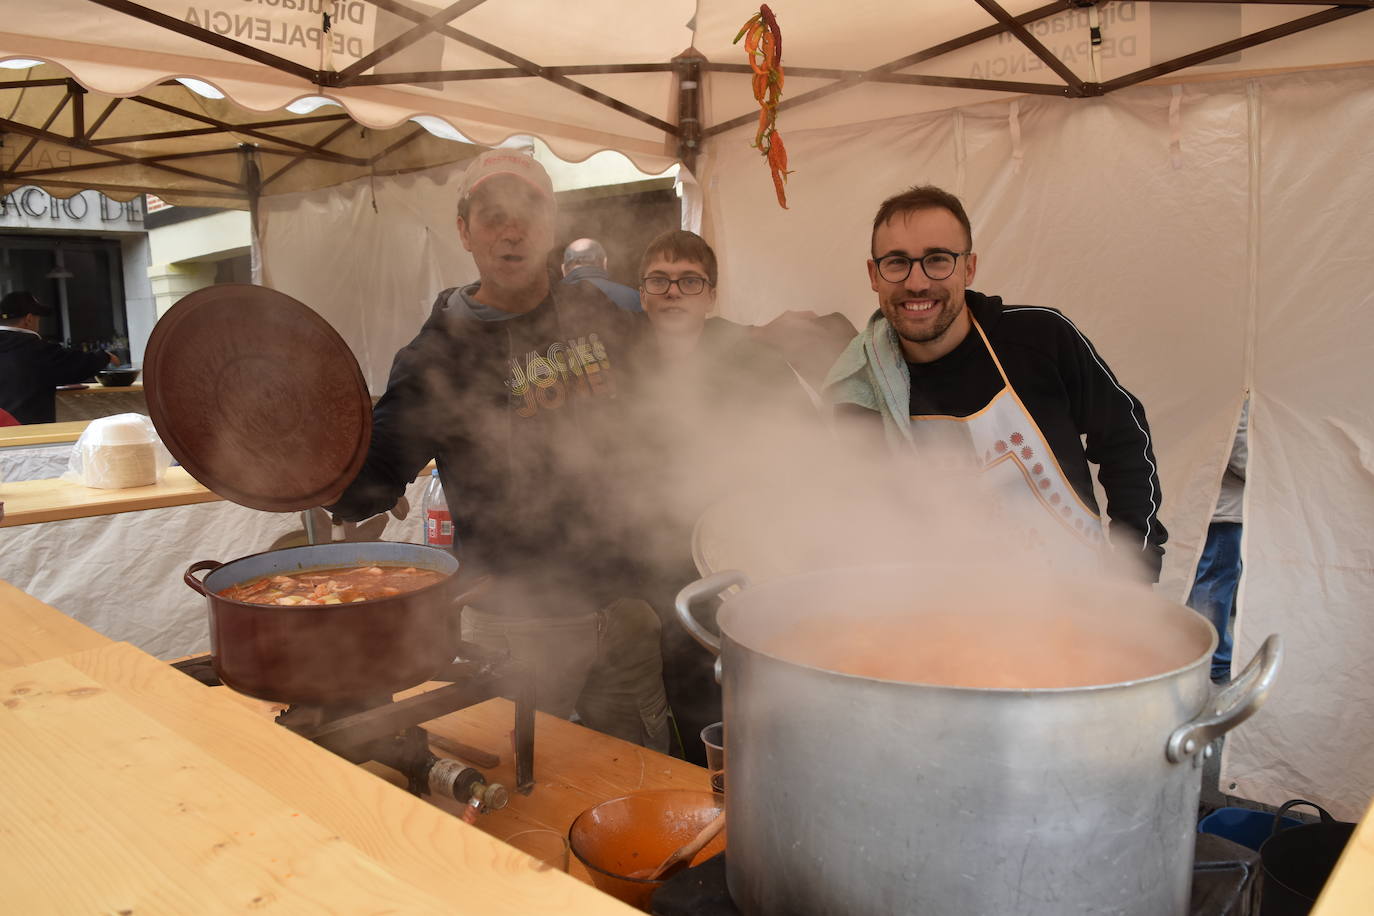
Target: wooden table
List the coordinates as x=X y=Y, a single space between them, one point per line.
x=574 y=769
x=31 y=631
x=54 y=499
x=130 y=788
x=42 y=433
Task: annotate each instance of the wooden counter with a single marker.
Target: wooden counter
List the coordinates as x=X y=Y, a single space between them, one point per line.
x=42 y=433
x=30 y=501
x=100 y=401
x=131 y=788
x=1350 y=889
x=31 y=631
x=97 y=388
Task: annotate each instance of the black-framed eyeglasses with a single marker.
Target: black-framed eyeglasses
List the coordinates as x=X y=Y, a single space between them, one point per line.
x=937 y=265
x=689 y=285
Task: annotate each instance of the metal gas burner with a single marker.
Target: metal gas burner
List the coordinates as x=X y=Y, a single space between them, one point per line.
x=388 y=731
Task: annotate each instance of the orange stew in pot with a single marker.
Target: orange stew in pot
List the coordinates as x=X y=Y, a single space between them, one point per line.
x=332 y=586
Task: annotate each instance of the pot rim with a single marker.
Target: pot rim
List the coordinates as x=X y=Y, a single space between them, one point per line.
x=214 y=595
x=1204 y=658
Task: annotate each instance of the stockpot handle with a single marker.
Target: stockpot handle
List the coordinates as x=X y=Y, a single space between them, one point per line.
x=1233 y=704
x=199 y=566
x=699 y=591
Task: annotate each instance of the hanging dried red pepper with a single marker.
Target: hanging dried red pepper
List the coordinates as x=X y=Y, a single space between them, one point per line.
x=763 y=44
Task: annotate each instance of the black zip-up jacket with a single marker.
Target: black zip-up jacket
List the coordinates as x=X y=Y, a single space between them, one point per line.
x=523 y=417
x=31 y=367
x=1073 y=396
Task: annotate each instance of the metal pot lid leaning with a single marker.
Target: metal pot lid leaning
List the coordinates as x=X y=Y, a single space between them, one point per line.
x=257 y=397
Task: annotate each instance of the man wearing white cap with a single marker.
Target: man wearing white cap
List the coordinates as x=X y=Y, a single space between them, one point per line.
x=511 y=386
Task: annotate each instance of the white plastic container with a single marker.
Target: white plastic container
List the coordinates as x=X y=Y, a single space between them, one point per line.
x=118 y=452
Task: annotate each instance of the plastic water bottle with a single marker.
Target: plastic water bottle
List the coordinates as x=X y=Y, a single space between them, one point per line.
x=438 y=522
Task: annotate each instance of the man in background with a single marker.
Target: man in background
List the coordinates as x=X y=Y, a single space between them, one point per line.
x=1218 y=570
x=585 y=259
x=31 y=368
x=513 y=387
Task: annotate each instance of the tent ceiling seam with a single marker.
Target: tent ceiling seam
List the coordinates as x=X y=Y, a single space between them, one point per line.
x=533 y=69
x=406 y=39
x=1238 y=44
x=201 y=131
x=497 y=73
x=410 y=138
x=233 y=129
x=206 y=36
x=100 y=121
x=297 y=160
x=147 y=160
x=44 y=134
x=1050 y=60
x=33 y=139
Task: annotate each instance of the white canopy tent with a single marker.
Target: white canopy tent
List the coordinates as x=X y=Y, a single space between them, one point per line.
x=1190 y=190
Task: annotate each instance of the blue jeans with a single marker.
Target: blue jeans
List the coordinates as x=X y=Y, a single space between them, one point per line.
x=1214 y=590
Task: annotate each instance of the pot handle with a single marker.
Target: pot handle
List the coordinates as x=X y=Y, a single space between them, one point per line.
x=701 y=590
x=1233 y=704
x=199 y=566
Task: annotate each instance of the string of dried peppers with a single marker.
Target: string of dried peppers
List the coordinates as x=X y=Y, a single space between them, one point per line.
x=763 y=45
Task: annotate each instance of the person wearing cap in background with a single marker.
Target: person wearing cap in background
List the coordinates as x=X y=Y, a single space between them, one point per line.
x=512 y=385
x=585 y=259
x=1020 y=387
x=31 y=368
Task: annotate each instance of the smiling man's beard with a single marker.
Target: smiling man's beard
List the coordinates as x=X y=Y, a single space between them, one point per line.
x=945 y=314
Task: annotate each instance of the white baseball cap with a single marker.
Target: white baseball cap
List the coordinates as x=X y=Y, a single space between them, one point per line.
x=495 y=162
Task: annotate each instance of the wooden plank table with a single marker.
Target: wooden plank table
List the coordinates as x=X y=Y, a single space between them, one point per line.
x=30 y=501
x=130 y=788
x=1350 y=889
x=42 y=433
x=31 y=631
x=574 y=769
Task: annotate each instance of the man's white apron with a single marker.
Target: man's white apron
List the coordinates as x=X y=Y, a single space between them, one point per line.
x=1025 y=485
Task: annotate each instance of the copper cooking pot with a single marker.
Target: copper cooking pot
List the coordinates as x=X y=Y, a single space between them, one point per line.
x=331 y=654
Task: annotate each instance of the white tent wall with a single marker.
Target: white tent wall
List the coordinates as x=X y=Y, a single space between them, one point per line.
x=1310 y=490
x=1150 y=246
x=372 y=274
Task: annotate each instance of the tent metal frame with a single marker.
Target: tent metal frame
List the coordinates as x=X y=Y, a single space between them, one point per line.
x=688 y=68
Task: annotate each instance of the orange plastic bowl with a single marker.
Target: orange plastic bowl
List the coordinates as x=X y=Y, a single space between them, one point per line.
x=630 y=836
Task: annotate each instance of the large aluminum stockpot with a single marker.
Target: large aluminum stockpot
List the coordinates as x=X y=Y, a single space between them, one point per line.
x=330 y=654
x=858 y=795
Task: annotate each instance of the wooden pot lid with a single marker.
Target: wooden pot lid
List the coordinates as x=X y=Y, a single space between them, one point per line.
x=257 y=397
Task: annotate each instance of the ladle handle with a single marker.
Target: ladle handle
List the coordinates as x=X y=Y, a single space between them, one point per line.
x=701 y=590
x=1233 y=704
x=199 y=566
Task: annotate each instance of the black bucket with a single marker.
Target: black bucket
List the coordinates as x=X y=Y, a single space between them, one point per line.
x=1297 y=861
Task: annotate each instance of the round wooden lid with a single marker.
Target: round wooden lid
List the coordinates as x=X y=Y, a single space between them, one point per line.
x=257 y=397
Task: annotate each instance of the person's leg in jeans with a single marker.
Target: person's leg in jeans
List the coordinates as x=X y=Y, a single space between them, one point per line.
x=1214 y=589
x=558 y=651
x=624 y=693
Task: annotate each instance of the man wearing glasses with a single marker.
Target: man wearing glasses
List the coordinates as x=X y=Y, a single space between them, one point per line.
x=1016 y=389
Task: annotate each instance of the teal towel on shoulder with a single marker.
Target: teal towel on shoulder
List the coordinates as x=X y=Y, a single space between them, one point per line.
x=871 y=373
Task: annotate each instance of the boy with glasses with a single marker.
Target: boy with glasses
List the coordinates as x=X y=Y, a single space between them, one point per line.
x=1019 y=389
